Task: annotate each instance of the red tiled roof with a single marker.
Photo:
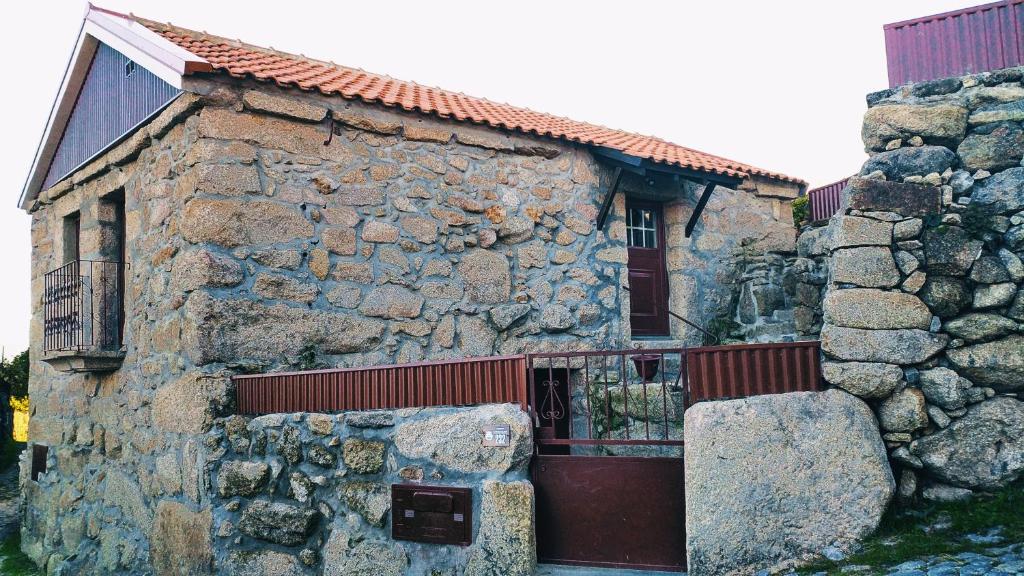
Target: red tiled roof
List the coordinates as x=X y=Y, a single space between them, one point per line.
x=242 y=60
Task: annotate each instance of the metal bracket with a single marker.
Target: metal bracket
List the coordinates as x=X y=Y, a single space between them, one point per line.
x=606 y=205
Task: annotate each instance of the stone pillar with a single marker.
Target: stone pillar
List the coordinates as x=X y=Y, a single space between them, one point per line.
x=899 y=331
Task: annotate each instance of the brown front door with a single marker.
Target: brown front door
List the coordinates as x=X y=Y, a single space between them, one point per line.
x=648 y=281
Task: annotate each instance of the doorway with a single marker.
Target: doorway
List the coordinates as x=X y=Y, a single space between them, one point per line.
x=648 y=278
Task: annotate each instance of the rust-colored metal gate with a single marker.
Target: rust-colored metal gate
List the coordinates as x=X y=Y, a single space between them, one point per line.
x=608 y=429
x=611 y=511
x=608 y=473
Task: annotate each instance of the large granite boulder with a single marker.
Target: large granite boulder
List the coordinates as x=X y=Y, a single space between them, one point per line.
x=902 y=162
x=904 y=411
x=975 y=327
x=278 y=522
x=452 y=439
x=867 y=266
x=945 y=296
x=1001 y=192
x=864 y=379
x=950 y=250
x=982 y=450
x=998 y=364
x=943 y=124
x=993 y=147
x=773 y=480
x=875 y=309
x=909 y=346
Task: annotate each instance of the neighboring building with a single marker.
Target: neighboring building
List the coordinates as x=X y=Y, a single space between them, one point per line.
x=203 y=208
x=967 y=41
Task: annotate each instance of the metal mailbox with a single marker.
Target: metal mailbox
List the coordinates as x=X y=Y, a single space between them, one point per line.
x=435 y=514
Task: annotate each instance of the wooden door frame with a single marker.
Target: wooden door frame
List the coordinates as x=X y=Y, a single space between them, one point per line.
x=659 y=209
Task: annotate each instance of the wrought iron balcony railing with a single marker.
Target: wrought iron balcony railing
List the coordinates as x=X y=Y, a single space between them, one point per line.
x=83 y=307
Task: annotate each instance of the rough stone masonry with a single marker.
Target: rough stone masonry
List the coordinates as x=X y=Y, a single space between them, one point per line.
x=924 y=312
x=254 y=246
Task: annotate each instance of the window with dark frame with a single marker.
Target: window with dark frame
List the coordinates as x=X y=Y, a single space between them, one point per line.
x=641 y=228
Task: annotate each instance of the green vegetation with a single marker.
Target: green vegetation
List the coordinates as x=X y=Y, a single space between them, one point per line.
x=937 y=529
x=12 y=561
x=801 y=210
x=9 y=454
x=15 y=371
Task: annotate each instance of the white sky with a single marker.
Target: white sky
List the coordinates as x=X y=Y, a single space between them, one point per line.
x=777 y=84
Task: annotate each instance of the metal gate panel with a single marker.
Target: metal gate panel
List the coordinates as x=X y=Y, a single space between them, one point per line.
x=610 y=511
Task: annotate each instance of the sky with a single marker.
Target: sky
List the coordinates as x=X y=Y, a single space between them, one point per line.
x=778 y=84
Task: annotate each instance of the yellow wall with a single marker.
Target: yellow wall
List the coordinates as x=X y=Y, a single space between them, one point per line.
x=20 y=419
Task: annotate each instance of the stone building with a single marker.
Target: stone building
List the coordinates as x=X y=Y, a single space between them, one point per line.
x=203 y=208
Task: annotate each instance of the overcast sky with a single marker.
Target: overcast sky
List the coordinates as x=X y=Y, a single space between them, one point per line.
x=778 y=84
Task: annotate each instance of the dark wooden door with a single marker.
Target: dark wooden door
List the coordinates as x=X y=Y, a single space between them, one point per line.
x=610 y=511
x=648 y=280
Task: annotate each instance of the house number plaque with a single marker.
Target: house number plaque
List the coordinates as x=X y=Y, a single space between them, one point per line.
x=498 y=435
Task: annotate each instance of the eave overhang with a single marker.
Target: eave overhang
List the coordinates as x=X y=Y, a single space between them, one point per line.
x=122 y=33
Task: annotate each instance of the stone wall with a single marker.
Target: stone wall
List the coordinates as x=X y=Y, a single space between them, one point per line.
x=924 y=313
x=777 y=297
x=311 y=494
x=272 y=230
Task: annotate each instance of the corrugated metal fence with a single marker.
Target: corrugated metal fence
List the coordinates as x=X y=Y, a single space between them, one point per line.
x=968 y=41
x=738 y=371
x=826 y=200
x=496 y=379
x=711 y=372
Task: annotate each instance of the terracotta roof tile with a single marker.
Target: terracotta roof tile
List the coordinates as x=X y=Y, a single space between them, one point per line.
x=242 y=60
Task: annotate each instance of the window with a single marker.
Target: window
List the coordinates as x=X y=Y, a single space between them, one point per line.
x=641 y=228
x=39 y=453
x=72 y=229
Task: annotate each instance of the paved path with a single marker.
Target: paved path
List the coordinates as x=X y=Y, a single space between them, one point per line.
x=995 y=561
x=10 y=502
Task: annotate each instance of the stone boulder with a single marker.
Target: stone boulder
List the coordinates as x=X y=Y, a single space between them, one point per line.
x=975 y=327
x=889 y=346
x=875 y=309
x=944 y=388
x=278 y=522
x=998 y=364
x=904 y=411
x=505 y=544
x=263 y=563
x=856 y=231
x=238 y=329
x=868 y=266
x=945 y=296
x=982 y=450
x=814 y=242
x=177 y=529
x=950 y=250
x=774 y=480
x=902 y=162
x=453 y=439
x=1001 y=192
x=487 y=276
x=943 y=124
x=992 y=148
x=241 y=478
x=371 y=500
x=345 y=554
x=865 y=379
x=885 y=196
